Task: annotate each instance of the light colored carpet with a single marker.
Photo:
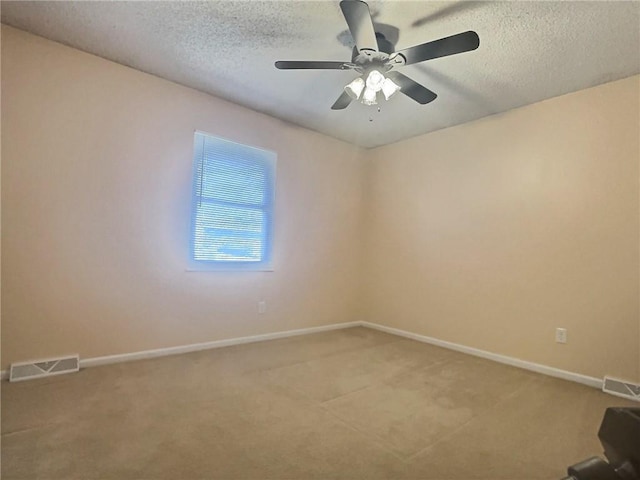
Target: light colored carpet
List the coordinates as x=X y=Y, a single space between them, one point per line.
x=347 y=404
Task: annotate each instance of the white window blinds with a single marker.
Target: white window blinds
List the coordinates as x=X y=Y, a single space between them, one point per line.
x=232 y=204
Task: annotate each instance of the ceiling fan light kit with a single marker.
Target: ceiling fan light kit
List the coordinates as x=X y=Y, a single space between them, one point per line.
x=367 y=91
x=374 y=57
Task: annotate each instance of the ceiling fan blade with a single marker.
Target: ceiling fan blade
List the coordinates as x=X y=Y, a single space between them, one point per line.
x=358 y=18
x=343 y=101
x=412 y=89
x=462 y=42
x=301 y=65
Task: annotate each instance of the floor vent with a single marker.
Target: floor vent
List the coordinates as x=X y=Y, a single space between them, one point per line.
x=44 y=368
x=620 y=388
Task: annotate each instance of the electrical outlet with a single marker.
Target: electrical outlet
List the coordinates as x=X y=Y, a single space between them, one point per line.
x=262 y=306
x=561 y=335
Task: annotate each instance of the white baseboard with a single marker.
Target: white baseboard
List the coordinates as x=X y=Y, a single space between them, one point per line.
x=515 y=362
x=194 y=347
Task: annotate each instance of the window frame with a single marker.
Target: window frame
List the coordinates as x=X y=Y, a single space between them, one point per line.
x=268 y=160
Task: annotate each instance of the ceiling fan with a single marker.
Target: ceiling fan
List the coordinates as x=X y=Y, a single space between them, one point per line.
x=375 y=59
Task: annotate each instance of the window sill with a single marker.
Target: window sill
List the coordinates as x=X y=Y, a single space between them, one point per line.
x=230 y=268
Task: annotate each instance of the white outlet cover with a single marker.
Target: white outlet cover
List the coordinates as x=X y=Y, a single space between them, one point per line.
x=561 y=335
x=262 y=306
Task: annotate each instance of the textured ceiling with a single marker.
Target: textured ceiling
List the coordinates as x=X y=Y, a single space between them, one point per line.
x=529 y=51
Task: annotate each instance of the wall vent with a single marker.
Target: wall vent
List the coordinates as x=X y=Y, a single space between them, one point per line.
x=44 y=368
x=621 y=388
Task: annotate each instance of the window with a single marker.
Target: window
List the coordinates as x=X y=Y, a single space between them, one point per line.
x=232 y=205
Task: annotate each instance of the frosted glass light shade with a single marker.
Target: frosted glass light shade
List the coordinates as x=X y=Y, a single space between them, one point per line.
x=369 y=96
x=389 y=88
x=375 y=80
x=354 y=89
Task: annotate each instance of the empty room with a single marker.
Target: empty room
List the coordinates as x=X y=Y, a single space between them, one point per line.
x=320 y=240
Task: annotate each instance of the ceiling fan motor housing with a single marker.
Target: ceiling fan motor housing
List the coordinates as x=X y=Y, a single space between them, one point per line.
x=384 y=46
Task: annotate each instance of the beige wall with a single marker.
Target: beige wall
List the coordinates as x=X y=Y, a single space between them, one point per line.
x=96 y=185
x=489 y=234
x=493 y=233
